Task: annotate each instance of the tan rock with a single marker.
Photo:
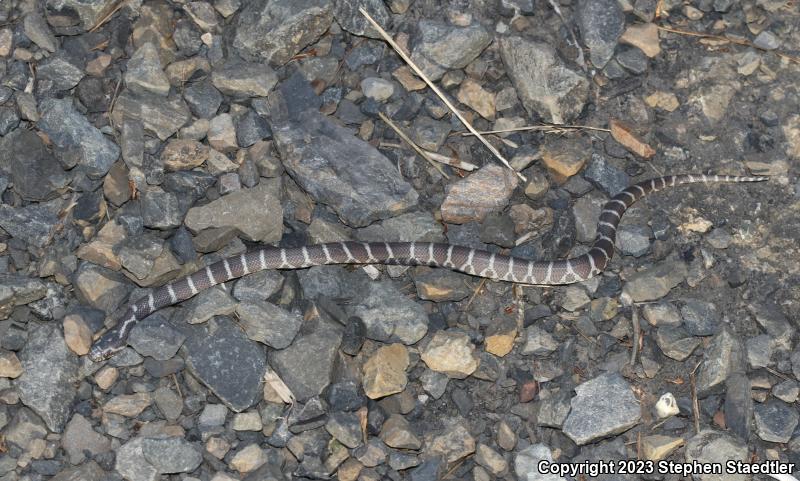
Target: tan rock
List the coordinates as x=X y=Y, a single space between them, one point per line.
x=658 y=447
x=217 y=447
x=473 y=95
x=484 y=191
x=128 y=405
x=397 y=433
x=451 y=353
x=248 y=459
x=77 y=334
x=565 y=157
x=791 y=130
x=385 y=371
x=349 y=470
x=106 y=377
x=454 y=443
x=663 y=100
x=490 y=459
x=222 y=133
x=408 y=79
x=9 y=364
x=500 y=336
x=101 y=250
x=644 y=37
x=183 y=154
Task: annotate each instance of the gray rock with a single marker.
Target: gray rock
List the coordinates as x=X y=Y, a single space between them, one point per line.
x=498 y=229
x=700 y=318
x=250 y=128
x=633 y=60
x=34 y=171
x=168 y=402
x=738 y=405
x=319 y=155
x=33 y=224
x=526 y=464
x=409 y=227
x=18 y=290
x=89 y=12
x=131 y=463
x=161 y=116
x=603 y=406
x=222 y=358
x=554 y=410
x=429 y=133
x=72 y=133
x=675 y=342
x=546 y=87
x=605 y=175
x=710 y=446
x=80 y=438
x=63 y=74
x=389 y=315
x=90 y=471
x=100 y=287
x=633 y=240
x=267 y=323
x=767 y=40
x=292 y=26
x=775 y=421
x=441 y=47
x=772 y=319
x=258 y=286
x=255 y=212
x=305 y=375
x=601 y=24
x=539 y=342
x=586 y=211
x=333 y=282
x=172 y=455
x=50 y=370
x=345 y=427
x=723 y=356
x=154 y=336
x=203 y=99
x=35 y=28
x=213 y=415
x=144 y=73
x=759 y=351
x=349 y=18
x=440 y=285
x=24 y=427
x=662 y=314
x=241 y=80
x=160 y=209
x=434 y=383
x=656 y=282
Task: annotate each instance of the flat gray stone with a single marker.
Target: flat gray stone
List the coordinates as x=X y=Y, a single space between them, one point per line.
x=656 y=282
x=18 y=290
x=723 y=356
x=144 y=73
x=601 y=24
x=224 y=359
x=526 y=464
x=75 y=136
x=155 y=337
x=443 y=47
x=50 y=371
x=81 y=438
x=775 y=421
x=256 y=212
x=320 y=156
x=709 y=446
x=172 y=455
x=308 y=375
x=603 y=406
x=292 y=25
x=244 y=79
x=546 y=87
x=268 y=324
x=389 y=315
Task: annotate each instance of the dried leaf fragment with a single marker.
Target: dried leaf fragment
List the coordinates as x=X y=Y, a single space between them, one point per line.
x=625 y=136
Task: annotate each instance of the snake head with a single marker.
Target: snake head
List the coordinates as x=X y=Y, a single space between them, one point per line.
x=106 y=346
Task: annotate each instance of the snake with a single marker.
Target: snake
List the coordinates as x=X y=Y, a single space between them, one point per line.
x=475 y=262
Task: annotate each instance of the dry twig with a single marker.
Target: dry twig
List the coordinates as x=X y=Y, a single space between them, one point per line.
x=550 y=129
x=436 y=90
x=422 y=153
x=734 y=40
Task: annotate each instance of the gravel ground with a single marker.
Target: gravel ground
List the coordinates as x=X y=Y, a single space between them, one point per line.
x=141 y=140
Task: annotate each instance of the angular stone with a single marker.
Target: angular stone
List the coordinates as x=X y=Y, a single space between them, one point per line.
x=443 y=47
x=454 y=443
x=255 y=212
x=601 y=24
x=546 y=87
x=775 y=421
x=34 y=171
x=451 y=353
x=50 y=373
x=644 y=37
x=244 y=79
x=709 y=446
x=656 y=282
x=161 y=116
x=723 y=356
x=320 y=155
x=385 y=371
x=183 y=154
x=268 y=324
x=602 y=407
x=292 y=26
x=223 y=359
x=144 y=72
x=473 y=198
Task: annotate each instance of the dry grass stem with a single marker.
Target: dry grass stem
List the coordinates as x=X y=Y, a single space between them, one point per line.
x=108 y=16
x=417 y=148
x=737 y=41
x=436 y=90
x=550 y=129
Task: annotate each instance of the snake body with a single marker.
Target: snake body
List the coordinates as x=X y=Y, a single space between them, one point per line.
x=463 y=259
